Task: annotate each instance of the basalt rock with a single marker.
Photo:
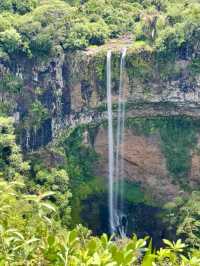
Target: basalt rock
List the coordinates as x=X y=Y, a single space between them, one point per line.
x=71 y=88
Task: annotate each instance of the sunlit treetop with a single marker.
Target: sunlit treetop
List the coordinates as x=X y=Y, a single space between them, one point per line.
x=44 y=27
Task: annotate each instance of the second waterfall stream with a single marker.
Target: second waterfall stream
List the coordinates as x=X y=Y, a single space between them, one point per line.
x=117 y=216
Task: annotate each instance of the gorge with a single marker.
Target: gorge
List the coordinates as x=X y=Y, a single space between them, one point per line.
x=100 y=132
x=161 y=126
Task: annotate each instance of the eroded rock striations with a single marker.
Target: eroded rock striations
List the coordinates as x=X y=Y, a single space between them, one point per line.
x=47 y=96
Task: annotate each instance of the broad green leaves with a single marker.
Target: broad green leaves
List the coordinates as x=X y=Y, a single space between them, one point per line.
x=175 y=246
x=29 y=234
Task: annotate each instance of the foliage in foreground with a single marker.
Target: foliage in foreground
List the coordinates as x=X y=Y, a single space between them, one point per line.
x=30 y=235
x=31 y=232
x=37 y=177
x=184 y=215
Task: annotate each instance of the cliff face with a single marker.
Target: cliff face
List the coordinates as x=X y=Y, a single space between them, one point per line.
x=71 y=89
x=146 y=165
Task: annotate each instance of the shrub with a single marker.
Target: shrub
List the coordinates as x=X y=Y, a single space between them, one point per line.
x=9 y=83
x=24 y=6
x=98 y=33
x=4 y=23
x=77 y=37
x=170 y=38
x=37 y=114
x=41 y=44
x=6 y=5
x=21 y=7
x=10 y=40
x=86 y=33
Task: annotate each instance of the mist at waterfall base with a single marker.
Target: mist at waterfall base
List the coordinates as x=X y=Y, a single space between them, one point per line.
x=142 y=219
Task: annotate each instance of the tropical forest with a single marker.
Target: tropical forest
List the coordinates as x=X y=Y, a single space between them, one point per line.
x=99 y=133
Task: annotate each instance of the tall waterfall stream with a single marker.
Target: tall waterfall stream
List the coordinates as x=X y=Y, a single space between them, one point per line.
x=117 y=216
x=110 y=144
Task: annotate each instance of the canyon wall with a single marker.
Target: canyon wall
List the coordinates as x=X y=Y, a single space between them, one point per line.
x=50 y=95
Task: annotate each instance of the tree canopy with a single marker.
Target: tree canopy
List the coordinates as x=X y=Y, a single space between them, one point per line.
x=39 y=28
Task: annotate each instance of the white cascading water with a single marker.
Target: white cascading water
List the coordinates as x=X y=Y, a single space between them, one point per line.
x=110 y=145
x=117 y=218
x=119 y=162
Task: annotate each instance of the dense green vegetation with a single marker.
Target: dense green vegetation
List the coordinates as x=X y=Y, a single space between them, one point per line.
x=184 y=215
x=29 y=234
x=178 y=137
x=31 y=224
x=45 y=193
x=81 y=160
x=41 y=27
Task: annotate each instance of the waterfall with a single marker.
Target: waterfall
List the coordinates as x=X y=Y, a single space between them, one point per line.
x=110 y=144
x=28 y=137
x=117 y=218
x=119 y=163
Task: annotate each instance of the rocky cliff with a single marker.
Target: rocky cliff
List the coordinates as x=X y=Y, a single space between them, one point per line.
x=46 y=96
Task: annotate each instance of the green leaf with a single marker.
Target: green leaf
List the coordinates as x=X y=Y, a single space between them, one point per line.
x=48 y=206
x=46 y=194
